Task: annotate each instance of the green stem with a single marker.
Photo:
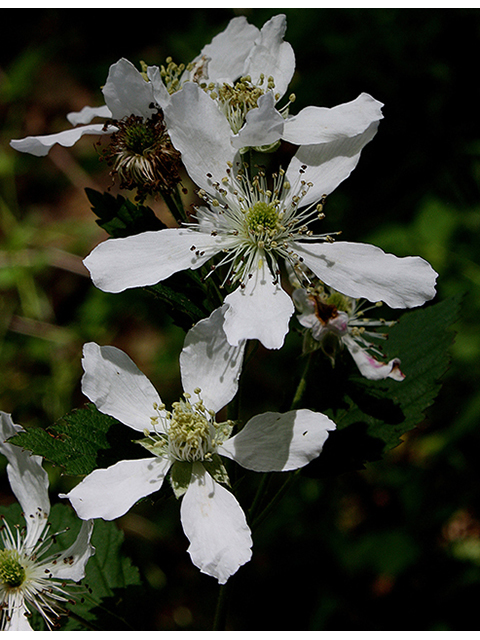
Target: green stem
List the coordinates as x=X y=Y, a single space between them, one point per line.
x=258 y=495
x=276 y=498
x=302 y=385
x=220 y=620
x=175 y=205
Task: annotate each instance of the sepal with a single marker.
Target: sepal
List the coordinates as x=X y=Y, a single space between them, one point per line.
x=180 y=475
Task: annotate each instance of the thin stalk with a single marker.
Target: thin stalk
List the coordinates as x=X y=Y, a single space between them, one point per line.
x=302 y=385
x=220 y=620
x=276 y=498
x=175 y=205
x=258 y=495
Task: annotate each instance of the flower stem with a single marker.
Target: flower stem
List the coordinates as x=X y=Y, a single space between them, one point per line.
x=302 y=385
x=276 y=498
x=175 y=205
x=258 y=495
x=220 y=620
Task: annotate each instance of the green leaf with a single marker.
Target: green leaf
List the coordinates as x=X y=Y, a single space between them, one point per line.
x=80 y=442
x=371 y=416
x=114 y=595
x=121 y=217
x=183 y=311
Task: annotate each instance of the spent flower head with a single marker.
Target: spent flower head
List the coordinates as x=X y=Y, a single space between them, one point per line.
x=142 y=156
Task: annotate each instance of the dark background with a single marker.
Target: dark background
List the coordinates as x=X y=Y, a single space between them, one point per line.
x=393 y=547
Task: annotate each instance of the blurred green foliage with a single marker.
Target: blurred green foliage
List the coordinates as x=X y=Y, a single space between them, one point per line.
x=393 y=547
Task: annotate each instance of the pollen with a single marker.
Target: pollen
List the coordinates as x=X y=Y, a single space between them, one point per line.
x=190 y=433
x=12 y=573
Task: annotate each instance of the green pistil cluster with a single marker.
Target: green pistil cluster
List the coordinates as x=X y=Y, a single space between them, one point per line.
x=139 y=137
x=190 y=433
x=262 y=217
x=12 y=573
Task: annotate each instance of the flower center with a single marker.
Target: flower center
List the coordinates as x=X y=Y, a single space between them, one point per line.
x=262 y=216
x=142 y=155
x=236 y=100
x=190 y=433
x=139 y=137
x=12 y=573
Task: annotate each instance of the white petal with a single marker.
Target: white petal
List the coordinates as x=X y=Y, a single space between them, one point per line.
x=261 y=310
x=18 y=620
x=147 y=258
x=78 y=555
x=160 y=91
x=371 y=368
x=315 y=125
x=364 y=271
x=228 y=50
x=209 y=362
x=110 y=493
x=201 y=133
x=87 y=114
x=327 y=165
x=272 y=56
x=263 y=125
x=28 y=480
x=117 y=387
x=127 y=92
x=214 y=523
x=279 y=441
x=41 y=145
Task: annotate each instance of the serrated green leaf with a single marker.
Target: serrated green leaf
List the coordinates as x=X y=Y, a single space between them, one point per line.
x=79 y=442
x=113 y=596
x=121 y=217
x=371 y=416
x=182 y=310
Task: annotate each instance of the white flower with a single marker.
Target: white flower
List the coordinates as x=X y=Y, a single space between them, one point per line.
x=253 y=225
x=241 y=49
x=129 y=92
x=247 y=72
x=29 y=577
x=187 y=442
x=333 y=319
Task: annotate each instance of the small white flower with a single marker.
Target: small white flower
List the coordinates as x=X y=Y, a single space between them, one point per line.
x=187 y=442
x=254 y=225
x=129 y=92
x=30 y=577
x=247 y=71
x=334 y=320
